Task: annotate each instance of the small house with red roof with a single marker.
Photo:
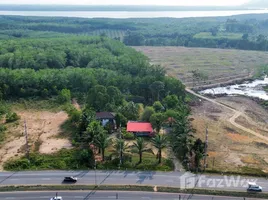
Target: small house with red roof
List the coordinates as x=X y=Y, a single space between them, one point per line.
x=140 y=128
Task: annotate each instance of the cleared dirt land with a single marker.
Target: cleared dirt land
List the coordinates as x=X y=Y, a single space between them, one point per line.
x=221 y=65
x=43 y=127
x=230 y=148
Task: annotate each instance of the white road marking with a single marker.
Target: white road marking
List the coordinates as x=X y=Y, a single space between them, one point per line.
x=46 y=179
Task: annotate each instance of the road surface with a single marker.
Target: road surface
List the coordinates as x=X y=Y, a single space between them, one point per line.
x=104 y=195
x=173 y=179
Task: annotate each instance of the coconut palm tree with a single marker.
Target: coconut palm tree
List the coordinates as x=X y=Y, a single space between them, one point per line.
x=102 y=142
x=141 y=147
x=120 y=148
x=160 y=142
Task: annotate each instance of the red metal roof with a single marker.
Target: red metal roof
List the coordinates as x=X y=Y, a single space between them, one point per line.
x=139 y=127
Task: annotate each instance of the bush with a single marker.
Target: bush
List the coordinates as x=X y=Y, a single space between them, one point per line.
x=64 y=96
x=12 y=117
x=126 y=135
x=62 y=160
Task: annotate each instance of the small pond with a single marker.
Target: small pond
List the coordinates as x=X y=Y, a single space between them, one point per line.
x=251 y=89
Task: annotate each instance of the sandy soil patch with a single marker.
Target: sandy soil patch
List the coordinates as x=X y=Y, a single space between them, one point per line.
x=42 y=127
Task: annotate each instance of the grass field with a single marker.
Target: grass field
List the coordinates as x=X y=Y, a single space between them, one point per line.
x=221 y=65
x=208 y=35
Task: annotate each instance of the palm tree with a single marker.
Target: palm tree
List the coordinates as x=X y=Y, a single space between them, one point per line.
x=141 y=147
x=159 y=142
x=121 y=148
x=102 y=142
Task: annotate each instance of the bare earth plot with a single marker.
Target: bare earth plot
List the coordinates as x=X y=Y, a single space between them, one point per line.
x=43 y=128
x=221 y=65
x=230 y=148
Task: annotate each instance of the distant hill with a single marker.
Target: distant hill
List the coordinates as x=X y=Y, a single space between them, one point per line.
x=257 y=4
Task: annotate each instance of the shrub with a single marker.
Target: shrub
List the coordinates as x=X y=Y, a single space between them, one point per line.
x=64 y=96
x=126 y=135
x=12 y=117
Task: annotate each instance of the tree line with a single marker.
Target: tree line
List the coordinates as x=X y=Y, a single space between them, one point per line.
x=152 y=32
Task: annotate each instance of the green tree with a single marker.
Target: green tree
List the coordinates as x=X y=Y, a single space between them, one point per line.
x=157 y=121
x=171 y=102
x=198 y=151
x=159 y=142
x=131 y=111
x=147 y=113
x=64 y=96
x=94 y=129
x=120 y=120
x=120 y=149
x=98 y=98
x=141 y=147
x=158 y=107
x=157 y=87
x=102 y=141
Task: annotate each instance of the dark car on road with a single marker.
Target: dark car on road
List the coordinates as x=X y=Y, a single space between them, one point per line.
x=70 y=179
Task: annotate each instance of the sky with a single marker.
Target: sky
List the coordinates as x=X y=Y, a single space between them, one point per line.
x=131 y=2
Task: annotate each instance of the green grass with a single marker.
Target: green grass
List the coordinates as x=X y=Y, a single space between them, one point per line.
x=37 y=104
x=220 y=35
x=62 y=160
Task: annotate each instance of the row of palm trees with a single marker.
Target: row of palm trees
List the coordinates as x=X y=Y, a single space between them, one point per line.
x=121 y=148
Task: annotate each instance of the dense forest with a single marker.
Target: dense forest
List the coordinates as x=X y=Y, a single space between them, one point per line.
x=248 y=32
x=78 y=64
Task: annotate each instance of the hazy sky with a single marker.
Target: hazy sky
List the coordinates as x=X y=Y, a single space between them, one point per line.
x=129 y=2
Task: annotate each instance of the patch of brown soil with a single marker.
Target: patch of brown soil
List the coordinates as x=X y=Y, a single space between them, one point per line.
x=249 y=160
x=238 y=138
x=42 y=127
x=212 y=154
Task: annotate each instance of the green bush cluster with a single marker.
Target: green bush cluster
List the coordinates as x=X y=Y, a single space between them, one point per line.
x=12 y=117
x=62 y=160
x=127 y=135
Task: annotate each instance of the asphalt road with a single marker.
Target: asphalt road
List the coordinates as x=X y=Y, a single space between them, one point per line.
x=103 y=195
x=175 y=179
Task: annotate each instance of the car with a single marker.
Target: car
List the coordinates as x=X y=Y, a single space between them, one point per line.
x=56 y=198
x=253 y=187
x=70 y=179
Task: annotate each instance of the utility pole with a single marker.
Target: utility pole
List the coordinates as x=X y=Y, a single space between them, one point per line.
x=206 y=149
x=121 y=153
x=26 y=138
x=95 y=166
